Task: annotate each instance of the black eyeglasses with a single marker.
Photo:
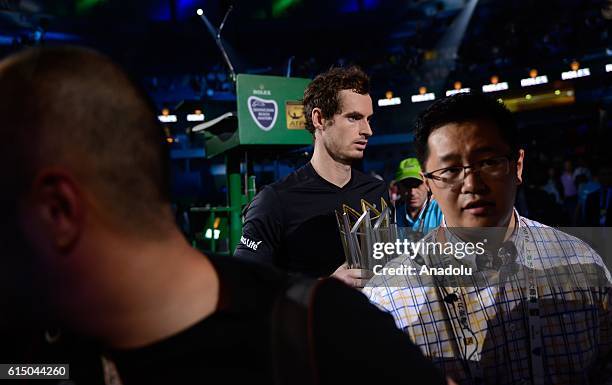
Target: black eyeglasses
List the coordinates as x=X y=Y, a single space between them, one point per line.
x=491 y=168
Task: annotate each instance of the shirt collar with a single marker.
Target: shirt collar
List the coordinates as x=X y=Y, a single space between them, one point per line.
x=470 y=260
x=517 y=217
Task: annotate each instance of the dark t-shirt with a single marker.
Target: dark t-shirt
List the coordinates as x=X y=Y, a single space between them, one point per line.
x=354 y=342
x=291 y=223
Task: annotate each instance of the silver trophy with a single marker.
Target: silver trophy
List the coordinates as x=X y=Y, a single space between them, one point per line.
x=360 y=230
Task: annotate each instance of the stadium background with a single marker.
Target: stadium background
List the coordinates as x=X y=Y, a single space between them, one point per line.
x=410 y=47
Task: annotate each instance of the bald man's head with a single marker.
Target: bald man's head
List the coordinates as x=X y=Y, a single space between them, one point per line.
x=73 y=109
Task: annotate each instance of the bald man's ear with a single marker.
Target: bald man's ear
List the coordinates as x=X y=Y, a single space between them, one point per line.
x=519 y=167
x=53 y=212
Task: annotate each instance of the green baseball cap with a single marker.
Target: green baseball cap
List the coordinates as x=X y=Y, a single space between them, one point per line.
x=408 y=168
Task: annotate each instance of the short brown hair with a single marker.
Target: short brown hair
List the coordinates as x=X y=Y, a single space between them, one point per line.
x=323 y=91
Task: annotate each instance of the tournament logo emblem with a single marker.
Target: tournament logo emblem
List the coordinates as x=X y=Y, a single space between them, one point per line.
x=296 y=120
x=263 y=111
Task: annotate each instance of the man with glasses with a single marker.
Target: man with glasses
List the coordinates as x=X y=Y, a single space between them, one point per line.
x=416 y=209
x=535 y=305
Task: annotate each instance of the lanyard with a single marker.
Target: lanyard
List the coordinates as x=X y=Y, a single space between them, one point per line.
x=456 y=307
x=457 y=310
x=533 y=310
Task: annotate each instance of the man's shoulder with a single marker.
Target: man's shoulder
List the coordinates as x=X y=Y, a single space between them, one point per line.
x=435 y=210
x=362 y=178
x=247 y=284
x=272 y=193
x=531 y=223
x=305 y=174
x=368 y=187
x=294 y=180
x=434 y=204
x=250 y=280
x=561 y=248
x=546 y=234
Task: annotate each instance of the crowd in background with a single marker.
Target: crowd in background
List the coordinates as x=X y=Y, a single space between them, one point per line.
x=574 y=193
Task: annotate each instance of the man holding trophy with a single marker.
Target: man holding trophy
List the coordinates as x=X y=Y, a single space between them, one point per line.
x=291 y=223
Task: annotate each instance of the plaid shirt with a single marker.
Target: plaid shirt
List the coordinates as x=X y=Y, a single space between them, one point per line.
x=575 y=320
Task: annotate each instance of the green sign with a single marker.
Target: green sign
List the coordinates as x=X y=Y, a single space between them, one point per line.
x=270 y=110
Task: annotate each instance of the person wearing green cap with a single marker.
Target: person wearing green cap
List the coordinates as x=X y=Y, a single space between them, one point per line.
x=415 y=209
